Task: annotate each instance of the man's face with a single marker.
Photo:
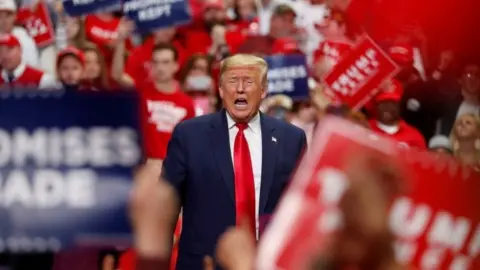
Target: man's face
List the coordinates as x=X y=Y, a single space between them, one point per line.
x=388 y=112
x=10 y=57
x=70 y=70
x=471 y=80
x=164 y=65
x=242 y=90
x=7 y=21
x=282 y=25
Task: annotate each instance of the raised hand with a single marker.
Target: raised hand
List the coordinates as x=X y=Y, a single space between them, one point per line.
x=154 y=211
x=236 y=248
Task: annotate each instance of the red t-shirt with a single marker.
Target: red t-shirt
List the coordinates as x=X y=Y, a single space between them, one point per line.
x=160 y=113
x=406 y=135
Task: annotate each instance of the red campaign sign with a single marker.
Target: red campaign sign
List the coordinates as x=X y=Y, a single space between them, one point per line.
x=38 y=24
x=334 y=50
x=436 y=224
x=355 y=78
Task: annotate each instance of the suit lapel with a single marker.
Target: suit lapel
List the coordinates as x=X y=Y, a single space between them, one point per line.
x=221 y=147
x=269 y=154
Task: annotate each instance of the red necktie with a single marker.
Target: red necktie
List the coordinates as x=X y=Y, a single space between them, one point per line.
x=244 y=183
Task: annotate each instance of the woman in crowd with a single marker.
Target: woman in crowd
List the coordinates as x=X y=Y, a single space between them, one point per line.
x=70 y=32
x=465 y=139
x=304 y=117
x=199 y=64
x=96 y=74
x=242 y=15
x=197 y=82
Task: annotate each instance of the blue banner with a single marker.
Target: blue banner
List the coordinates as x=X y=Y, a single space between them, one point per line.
x=66 y=163
x=84 y=7
x=288 y=75
x=154 y=14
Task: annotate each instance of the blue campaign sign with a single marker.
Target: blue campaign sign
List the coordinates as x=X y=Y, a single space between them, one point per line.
x=66 y=165
x=85 y=7
x=287 y=74
x=154 y=14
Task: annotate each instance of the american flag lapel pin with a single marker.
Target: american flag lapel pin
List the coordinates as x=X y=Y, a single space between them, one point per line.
x=274 y=139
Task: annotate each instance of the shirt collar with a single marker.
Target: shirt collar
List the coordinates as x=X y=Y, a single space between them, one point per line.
x=17 y=72
x=389 y=129
x=253 y=125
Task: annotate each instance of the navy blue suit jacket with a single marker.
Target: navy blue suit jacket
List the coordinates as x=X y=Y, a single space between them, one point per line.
x=199 y=165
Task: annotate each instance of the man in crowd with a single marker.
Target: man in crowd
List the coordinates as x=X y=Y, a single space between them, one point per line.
x=282 y=25
x=462 y=101
x=16 y=73
x=137 y=65
x=8 y=16
x=230 y=166
x=163 y=103
x=387 y=120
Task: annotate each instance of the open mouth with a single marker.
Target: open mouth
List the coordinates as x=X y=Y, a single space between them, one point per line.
x=241 y=103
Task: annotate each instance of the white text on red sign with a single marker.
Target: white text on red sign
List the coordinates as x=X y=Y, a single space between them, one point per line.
x=354 y=77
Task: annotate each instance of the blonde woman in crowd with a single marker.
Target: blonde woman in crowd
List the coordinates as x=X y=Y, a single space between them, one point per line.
x=465 y=138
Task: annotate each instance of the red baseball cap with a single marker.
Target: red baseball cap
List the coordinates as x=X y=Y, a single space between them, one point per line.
x=392 y=91
x=9 y=41
x=70 y=50
x=401 y=53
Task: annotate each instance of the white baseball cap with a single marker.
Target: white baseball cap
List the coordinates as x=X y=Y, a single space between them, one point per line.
x=440 y=141
x=8 y=5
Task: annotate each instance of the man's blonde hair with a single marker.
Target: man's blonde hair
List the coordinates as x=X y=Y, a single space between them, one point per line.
x=245 y=60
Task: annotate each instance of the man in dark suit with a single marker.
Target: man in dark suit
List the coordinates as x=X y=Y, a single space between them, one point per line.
x=232 y=165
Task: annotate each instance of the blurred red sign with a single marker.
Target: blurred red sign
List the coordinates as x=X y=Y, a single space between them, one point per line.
x=355 y=78
x=38 y=24
x=436 y=224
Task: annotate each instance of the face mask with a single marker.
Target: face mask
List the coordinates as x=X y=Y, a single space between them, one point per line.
x=199 y=83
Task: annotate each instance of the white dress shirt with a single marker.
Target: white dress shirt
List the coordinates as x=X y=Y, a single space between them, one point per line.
x=253 y=135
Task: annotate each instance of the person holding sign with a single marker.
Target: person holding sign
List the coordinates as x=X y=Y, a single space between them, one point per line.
x=232 y=165
x=163 y=103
